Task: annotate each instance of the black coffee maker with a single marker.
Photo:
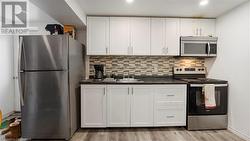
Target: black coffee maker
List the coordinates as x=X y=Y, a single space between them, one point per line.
x=99 y=71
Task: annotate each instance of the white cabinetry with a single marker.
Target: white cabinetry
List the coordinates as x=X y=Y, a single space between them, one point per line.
x=133 y=105
x=119 y=36
x=97 y=35
x=197 y=27
x=140 y=36
x=173 y=36
x=93 y=106
x=165 y=36
x=158 y=34
x=170 y=105
x=142 y=106
x=118 y=109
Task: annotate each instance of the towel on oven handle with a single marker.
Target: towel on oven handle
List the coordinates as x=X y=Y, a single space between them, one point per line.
x=209 y=95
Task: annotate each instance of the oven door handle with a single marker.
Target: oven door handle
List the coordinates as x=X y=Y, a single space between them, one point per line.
x=202 y=85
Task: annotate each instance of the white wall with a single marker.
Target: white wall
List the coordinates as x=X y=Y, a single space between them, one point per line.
x=39 y=19
x=233 y=64
x=75 y=6
x=6 y=75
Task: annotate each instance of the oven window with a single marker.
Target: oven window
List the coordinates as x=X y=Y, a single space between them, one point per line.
x=200 y=99
x=196 y=102
x=195 y=48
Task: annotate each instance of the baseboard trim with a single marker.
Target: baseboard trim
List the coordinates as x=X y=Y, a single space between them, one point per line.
x=243 y=136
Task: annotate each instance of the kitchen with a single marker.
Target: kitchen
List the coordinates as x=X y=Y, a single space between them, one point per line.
x=163 y=72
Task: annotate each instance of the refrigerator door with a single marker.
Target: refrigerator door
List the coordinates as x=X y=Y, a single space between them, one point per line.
x=46 y=106
x=46 y=52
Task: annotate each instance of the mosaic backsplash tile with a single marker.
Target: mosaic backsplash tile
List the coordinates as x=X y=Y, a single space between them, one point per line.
x=142 y=65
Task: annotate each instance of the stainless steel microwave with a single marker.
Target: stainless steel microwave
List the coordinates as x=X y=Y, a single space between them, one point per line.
x=199 y=46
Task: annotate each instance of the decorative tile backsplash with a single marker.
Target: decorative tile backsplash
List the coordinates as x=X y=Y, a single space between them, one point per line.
x=142 y=65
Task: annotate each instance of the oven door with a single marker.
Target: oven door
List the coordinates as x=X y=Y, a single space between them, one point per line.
x=196 y=100
x=194 y=48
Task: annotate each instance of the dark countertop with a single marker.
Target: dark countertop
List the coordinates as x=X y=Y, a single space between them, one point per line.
x=143 y=81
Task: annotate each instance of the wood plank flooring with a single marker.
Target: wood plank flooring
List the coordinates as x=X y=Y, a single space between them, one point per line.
x=153 y=134
x=149 y=134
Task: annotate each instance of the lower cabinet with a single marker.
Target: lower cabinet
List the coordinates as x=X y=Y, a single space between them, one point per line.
x=118 y=106
x=142 y=106
x=133 y=105
x=93 y=106
x=170 y=105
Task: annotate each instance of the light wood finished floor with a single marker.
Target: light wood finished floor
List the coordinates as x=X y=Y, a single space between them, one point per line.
x=153 y=134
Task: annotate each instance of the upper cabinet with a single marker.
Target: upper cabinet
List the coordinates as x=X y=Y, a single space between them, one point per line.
x=119 y=36
x=97 y=35
x=129 y=36
x=142 y=36
x=197 y=27
x=165 y=36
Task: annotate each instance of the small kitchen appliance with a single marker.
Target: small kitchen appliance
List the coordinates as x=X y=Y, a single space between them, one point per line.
x=203 y=46
x=99 y=71
x=200 y=117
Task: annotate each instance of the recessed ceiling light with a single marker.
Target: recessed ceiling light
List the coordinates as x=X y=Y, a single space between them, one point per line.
x=203 y=2
x=130 y=1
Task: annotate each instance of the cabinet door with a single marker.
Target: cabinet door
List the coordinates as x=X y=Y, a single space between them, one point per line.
x=206 y=27
x=188 y=27
x=158 y=34
x=118 y=106
x=93 y=106
x=173 y=36
x=142 y=106
x=97 y=35
x=119 y=36
x=140 y=36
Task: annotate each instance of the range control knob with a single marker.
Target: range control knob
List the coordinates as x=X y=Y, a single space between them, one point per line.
x=180 y=69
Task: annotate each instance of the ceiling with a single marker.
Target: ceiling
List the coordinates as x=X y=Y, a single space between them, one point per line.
x=175 y=8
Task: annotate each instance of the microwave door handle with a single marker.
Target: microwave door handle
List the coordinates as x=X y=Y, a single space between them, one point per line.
x=209 y=48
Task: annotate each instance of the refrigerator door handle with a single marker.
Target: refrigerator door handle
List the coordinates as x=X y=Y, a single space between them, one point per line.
x=20 y=71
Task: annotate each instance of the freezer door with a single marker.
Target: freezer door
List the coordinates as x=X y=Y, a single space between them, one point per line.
x=47 y=52
x=45 y=112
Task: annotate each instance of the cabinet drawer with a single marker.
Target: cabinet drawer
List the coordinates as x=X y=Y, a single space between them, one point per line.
x=171 y=94
x=170 y=117
x=170 y=105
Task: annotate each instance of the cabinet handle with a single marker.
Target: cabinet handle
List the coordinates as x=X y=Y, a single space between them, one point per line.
x=128 y=91
x=170 y=95
x=106 y=50
x=170 y=116
x=132 y=91
x=104 y=91
x=200 y=31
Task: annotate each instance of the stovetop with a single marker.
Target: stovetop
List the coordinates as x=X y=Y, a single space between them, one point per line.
x=195 y=75
x=203 y=81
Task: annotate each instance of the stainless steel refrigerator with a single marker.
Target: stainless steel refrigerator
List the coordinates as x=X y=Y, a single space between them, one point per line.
x=50 y=68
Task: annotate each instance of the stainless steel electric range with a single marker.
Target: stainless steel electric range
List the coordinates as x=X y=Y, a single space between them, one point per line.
x=199 y=117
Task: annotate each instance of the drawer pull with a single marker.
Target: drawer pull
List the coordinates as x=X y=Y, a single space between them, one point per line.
x=170 y=95
x=170 y=116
